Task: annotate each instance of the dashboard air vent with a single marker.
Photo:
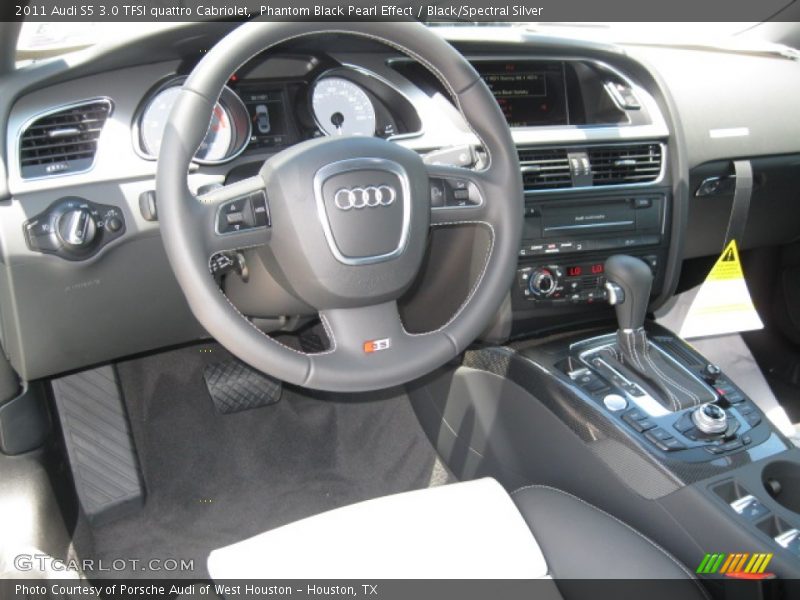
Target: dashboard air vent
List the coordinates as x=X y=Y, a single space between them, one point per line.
x=64 y=141
x=614 y=165
x=544 y=168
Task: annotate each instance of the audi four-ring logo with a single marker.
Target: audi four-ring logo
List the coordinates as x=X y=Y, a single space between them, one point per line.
x=369 y=196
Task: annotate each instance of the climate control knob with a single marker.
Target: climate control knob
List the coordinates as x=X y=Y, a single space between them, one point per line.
x=77 y=228
x=543 y=282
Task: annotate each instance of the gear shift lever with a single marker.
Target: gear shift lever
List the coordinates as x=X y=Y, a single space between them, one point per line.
x=628 y=283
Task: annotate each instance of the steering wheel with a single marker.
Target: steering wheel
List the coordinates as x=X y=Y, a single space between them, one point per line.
x=347 y=219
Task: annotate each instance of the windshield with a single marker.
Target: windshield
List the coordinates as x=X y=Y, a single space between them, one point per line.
x=41 y=40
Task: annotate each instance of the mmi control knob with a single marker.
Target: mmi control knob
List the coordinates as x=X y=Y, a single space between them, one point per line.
x=77 y=228
x=543 y=281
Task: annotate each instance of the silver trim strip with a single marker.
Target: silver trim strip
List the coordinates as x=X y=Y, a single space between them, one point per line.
x=51 y=111
x=357 y=164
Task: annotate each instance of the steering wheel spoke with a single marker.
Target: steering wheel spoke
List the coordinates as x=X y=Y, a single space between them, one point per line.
x=234 y=216
x=458 y=195
x=374 y=338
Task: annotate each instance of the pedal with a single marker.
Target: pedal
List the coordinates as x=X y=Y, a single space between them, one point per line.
x=99 y=444
x=235 y=387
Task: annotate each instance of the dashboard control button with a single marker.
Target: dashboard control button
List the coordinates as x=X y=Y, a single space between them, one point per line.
x=114 y=224
x=76 y=228
x=147 y=206
x=543 y=282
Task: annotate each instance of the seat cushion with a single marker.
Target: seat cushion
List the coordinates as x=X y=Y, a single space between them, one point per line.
x=580 y=541
x=459 y=531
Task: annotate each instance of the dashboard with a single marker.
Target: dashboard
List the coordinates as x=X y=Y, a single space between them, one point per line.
x=604 y=149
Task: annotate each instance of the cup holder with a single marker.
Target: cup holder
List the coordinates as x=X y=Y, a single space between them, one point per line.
x=781 y=479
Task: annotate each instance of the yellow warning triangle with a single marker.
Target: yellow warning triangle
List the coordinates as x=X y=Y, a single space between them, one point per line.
x=722 y=304
x=728 y=265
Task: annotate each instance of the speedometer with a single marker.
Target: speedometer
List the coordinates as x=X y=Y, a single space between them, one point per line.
x=228 y=130
x=341 y=107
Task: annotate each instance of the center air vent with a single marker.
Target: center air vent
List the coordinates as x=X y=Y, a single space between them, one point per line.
x=613 y=165
x=64 y=141
x=544 y=168
x=570 y=166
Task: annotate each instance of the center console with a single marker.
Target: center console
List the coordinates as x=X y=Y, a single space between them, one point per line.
x=637 y=422
x=570 y=229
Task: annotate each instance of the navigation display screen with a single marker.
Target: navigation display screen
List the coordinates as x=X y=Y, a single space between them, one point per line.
x=529 y=92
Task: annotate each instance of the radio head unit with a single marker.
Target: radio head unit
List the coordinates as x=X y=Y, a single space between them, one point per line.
x=566 y=242
x=558 y=227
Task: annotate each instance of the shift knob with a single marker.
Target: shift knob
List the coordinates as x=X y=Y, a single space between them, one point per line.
x=634 y=279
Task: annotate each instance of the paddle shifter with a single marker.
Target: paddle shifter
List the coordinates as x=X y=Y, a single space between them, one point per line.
x=628 y=282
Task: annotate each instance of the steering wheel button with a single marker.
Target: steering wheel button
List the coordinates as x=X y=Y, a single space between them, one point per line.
x=234 y=218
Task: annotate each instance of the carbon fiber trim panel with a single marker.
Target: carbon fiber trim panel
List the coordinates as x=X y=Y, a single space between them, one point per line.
x=98 y=440
x=649 y=474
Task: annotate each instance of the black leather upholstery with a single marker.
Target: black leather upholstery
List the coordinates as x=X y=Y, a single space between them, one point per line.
x=580 y=541
x=670 y=385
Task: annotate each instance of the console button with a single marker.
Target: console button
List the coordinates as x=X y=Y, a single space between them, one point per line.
x=662 y=440
x=659 y=434
x=685 y=423
x=790 y=540
x=753 y=419
x=640 y=426
x=615 y=402
x=732 y=445
x=635 y=414
x=749 y=507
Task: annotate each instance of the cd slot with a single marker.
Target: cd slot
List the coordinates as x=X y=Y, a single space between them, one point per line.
x=605 y=217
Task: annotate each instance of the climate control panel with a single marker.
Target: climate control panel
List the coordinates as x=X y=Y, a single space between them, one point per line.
x=74 y=228
x=574 y=283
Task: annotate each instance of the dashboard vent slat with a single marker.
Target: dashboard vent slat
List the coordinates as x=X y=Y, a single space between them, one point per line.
x=64 y=141
x=614 y=165
x=544 y=168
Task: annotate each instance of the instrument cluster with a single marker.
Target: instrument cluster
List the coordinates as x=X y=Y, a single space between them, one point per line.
x=258 y=112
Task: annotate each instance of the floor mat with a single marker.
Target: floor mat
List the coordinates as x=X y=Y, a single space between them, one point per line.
x=213 y=479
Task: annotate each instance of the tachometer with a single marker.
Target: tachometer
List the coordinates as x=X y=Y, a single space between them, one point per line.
x=342 y=107
x=228 y=131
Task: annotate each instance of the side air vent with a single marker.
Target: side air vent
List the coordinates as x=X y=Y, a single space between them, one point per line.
x=544 y=168
x=63 y=141
x=614 y=165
